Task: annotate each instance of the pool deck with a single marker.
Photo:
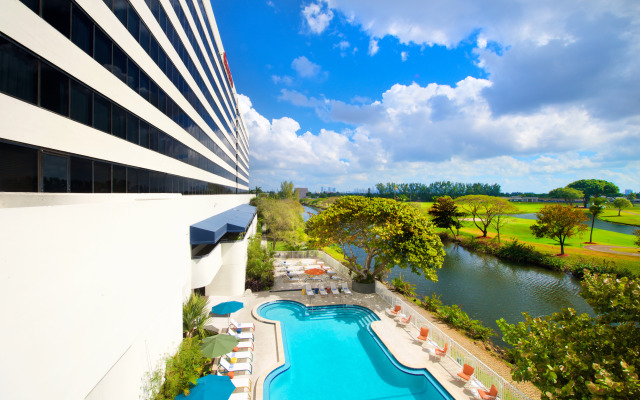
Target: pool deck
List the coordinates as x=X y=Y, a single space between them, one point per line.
x=399 y=339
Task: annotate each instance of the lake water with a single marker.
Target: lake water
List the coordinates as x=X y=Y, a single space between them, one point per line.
x=488 y=288
x=599 y=224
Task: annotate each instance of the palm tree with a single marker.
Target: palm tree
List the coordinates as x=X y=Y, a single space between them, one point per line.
x=195 y=316
x=596 y=209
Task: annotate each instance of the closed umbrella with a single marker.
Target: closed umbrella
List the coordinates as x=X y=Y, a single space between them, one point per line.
x=210 y=387
x=215 y=346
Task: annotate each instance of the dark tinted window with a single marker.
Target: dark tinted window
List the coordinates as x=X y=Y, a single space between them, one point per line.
x=81 y=171
x=118 y=122
x=120 y=10
x=153 y=138
x=132 y=128
x=153 y=181
x=80 y=101
x=19 y=75
x=153 y=93
x=119 y=64
x=133 y=75
x=119 y=179
x=162 y=100
x=132 y=180
x=153 y=49
x=101 y=113
x=144 y=37
x=133 y=24
x=144 y=134
x=82 y=30
x=102 y=49
x=54 y=173
x=101 y=177
x=33 y=5
x=58 y=14
x=144 y=85
x=18 y=168
x=54 y=90
x=143 y=181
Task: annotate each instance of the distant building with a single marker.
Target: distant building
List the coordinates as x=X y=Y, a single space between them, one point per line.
x=519 y=199
x=302 y=192
x=628 y=191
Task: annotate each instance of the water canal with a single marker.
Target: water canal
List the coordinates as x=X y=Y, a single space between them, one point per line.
x=488 y=288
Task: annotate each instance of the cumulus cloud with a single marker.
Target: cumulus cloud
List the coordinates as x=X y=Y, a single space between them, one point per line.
x=305 y=68
x=404 y=55
x=317 y=16
x=373 y=47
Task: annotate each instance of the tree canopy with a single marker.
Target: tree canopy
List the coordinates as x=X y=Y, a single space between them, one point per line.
x=571 y=356
x=445 y=214
x=286 y=190
x=621 y=203
x=595 y=209
x=483 y=209
x=559 y=222
x=567 y=194
x=283 y=219
x=388 y=232
x=594 y=188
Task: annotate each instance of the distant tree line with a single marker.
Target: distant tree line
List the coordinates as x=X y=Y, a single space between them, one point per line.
x=422 y=192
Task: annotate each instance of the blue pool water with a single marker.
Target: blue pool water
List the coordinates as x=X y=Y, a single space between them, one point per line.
x=332 y=353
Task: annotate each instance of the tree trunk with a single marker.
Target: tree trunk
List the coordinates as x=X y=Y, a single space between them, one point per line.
x=562 y=248
x=619 y=210
x=593 y=221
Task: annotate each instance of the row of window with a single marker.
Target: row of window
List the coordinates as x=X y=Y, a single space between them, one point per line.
x=130 y=19
x=35 y=81
x=71 y=21
x=26 y=169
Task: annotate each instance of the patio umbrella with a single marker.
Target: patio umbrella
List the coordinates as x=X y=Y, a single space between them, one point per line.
x=315 y=271
x=226 y=308
x=210 y=387
x=215 y=346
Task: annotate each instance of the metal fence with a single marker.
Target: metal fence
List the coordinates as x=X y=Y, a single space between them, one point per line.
x=485 y=375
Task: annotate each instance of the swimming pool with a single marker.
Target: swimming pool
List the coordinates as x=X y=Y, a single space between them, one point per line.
x=332 y=353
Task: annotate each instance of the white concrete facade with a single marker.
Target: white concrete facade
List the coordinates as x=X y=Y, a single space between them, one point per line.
x=92 y=284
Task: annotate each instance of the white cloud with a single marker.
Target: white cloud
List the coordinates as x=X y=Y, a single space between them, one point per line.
x=343 y=45
x=286 y=80
x=305 y=68
x=373 y=47
x=404 y=55
x=317 y=16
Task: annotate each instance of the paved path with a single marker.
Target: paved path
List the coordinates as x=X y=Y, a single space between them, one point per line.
x=611 y=249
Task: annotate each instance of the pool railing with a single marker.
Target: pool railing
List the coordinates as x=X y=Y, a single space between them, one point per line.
x=482 y=373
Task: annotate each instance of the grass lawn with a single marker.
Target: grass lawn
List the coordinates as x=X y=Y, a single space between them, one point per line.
x=630 y=216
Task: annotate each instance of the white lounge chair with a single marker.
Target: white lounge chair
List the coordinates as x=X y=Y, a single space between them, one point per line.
x=345 y=289
x=238 y=355
x=293 y=278
x=244 y=346
x=240 y=325
x=242 y=335
x=322 y=290
x=334 y=289
x=235 y=367
x=242 y=383
x=307 y=289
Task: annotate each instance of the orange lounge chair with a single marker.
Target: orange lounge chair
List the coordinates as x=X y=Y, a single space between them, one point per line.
x=467 y=371
x=490 y=395
x=424 y=334
x=443 y=352
x=394 y=313
x=405 y=321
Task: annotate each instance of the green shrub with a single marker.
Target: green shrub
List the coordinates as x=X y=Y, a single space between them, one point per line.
x=432 y=303
x=259 y=266
x=581 y=266
x=195 y=315
x=459 y=319
x=404 y=287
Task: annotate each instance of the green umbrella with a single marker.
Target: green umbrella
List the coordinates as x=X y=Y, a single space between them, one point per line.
x=215 y=346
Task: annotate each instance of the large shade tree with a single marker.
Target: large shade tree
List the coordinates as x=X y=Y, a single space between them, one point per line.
x=571 y=356
x=559 y=222
x=621 y=203
x=594 y=188
x=567 y=194
x=483 y=209
x=388 y=232
x=445 y=214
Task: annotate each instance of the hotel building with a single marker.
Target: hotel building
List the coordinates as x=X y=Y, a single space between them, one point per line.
x=124 y=173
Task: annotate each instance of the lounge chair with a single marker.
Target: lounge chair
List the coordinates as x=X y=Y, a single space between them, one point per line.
x=490 y=395
x=345 y=289
x=241 y=325
x=242 y=383
x=441 y=353
x=293 y=278
x=321 y=290
x=235 y=367
x=395 y=311
x=336 y=277
x=334 y=289
x=240 y=396
x=465 y=375
x=307 y=289
x=241 y=335
x=243 y=346
x=405 y=321
x=424 y=335
x=238 y=355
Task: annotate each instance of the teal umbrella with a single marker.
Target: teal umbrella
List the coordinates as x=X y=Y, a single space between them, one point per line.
x=227 y=307
x=210 y=387
x=215 y=346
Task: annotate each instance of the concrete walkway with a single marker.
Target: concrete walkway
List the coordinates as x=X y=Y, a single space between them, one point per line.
x=398 y=339
x=612 y=249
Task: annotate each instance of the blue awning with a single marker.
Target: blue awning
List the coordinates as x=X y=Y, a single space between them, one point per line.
x=211 y=230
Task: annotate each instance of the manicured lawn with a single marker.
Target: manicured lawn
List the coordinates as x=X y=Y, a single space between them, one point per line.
x=630 y=216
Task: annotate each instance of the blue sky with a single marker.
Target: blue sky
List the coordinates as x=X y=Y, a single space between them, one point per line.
x=348 y=93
